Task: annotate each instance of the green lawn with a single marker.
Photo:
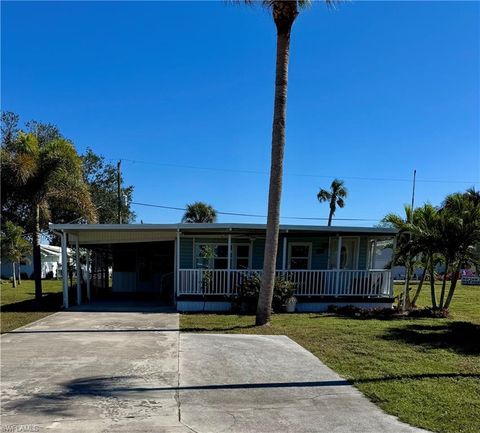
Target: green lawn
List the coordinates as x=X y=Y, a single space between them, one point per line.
x=18 y=306
x=425 y=371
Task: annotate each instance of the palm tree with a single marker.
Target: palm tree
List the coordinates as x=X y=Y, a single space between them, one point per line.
x=14 y=246
x=37 y=177
x=284 y=14
x=335 y=197
x=199 y=212
x=426 y=236
x=406 y=249
x=460 y=227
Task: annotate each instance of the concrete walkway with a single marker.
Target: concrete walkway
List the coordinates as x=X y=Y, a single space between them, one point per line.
x=106 y=371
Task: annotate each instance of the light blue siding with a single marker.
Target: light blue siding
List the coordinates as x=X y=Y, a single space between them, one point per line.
x=186 y=253
x=257 y=253
x=319 y=250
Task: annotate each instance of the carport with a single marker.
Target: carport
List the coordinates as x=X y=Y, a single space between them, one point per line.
x=122 y=261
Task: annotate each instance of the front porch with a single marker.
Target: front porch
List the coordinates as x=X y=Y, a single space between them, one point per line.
x=308 y=283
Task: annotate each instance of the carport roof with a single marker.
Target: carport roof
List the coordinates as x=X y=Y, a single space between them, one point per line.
x=219 y=227
x=96 y=234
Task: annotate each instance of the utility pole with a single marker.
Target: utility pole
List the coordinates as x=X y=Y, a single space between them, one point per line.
x=119 y=191
x=407 y=267
x=413 y=191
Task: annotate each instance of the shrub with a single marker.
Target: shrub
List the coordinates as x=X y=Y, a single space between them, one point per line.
x=362 y=313
x=49 y=275
x=246 y=299
x=23 y=275
x=385 y=313
x=429 y=312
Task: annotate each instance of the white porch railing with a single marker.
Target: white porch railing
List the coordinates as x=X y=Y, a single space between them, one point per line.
x=373 y=283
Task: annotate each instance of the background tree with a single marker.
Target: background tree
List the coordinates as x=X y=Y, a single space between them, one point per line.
x=335 y=197
x=14 y=246
x=41 y=174
x=102 y=180
x=460 y=234
x=199 y=212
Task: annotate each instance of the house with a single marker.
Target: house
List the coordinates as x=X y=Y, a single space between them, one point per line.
x=198 y=267
x=51 y=257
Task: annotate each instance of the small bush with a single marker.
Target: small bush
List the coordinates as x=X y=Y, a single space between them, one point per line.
x=23 y=275
x=385 y=313
x=246 y=300
x=362 y=313
x=429 y=313
x=49 y=275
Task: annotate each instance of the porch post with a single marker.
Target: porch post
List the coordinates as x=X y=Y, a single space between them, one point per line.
x=65 y=270
x=79 y=273
x=284 y=253
x=177 y=264
x=392 y=277
x=88 y=276
x=229 y=261
x=339 y=256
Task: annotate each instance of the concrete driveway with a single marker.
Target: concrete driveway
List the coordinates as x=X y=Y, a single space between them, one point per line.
x=80 y=371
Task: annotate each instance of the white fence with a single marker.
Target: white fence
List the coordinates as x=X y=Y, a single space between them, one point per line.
x=372 y=283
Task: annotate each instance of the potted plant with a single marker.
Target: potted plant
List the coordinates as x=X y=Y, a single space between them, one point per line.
x=290 y=304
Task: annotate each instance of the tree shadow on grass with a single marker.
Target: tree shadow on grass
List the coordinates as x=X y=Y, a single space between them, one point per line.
x=50 y=302
x=461 y=337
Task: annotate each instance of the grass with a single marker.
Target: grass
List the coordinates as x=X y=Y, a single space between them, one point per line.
x=425 y=371
x=19 y=307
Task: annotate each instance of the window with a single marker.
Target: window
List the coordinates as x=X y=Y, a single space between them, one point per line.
x=299 y=256
x=211 y=256
x=241 y=256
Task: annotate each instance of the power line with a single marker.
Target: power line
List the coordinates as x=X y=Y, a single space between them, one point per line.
x=255 y=215
x=308 y=175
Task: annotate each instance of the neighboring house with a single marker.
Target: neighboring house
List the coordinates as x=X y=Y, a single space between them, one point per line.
x=198 y=267
x=51 y=257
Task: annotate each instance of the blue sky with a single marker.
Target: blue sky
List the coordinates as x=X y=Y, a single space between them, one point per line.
x=376 y=90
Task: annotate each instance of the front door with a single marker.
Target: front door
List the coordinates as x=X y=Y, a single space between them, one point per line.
x=348 y=254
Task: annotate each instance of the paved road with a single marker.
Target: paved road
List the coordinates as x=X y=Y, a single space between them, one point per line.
x=80 y=371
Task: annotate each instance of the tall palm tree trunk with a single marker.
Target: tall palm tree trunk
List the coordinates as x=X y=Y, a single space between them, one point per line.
x=453 y=285
x=420 y=285
x=264 y=307
x=37 y=262
x=19 y=273
x=444 y=283
x=432 y=284
x=14 y=278
x=330 y=215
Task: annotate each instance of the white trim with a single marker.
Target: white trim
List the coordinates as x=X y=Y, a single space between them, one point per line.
x=295 y=244
x=284 y=253
x=219 y=226
x=65 y=270
x=177 y=264
x=78 y=272
x=89 y=297
x=229 y=260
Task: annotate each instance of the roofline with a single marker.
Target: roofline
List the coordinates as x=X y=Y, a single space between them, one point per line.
x=218 y=226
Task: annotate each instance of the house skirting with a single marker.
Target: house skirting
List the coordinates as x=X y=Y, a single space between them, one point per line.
x=309 y=305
